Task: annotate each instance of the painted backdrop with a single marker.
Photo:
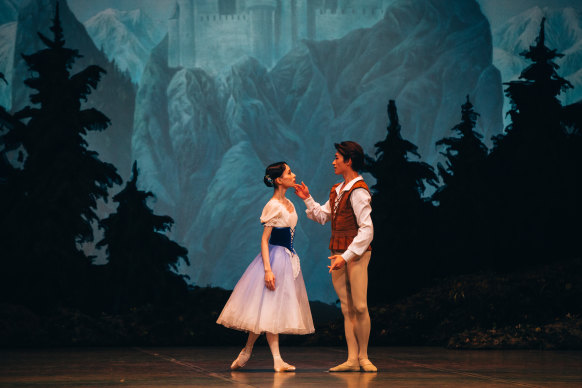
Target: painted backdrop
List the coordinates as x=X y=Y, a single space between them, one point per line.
x=215 y=90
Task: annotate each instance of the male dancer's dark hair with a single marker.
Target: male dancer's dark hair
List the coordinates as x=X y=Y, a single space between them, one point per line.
x=351 y=150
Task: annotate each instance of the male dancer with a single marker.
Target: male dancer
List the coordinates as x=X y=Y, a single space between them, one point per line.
x=352 y=231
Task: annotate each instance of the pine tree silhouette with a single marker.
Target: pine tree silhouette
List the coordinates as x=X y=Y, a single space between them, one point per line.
x=535 y=109
x=10 y=194
x=463 y=153
x=7 y=124
x=460 y=197
x=399 y=181
x=62 y=179
x=400 y=213
x=532 y=166
x=141 y=257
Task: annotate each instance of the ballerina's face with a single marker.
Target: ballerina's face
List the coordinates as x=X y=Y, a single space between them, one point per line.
x=287 y=179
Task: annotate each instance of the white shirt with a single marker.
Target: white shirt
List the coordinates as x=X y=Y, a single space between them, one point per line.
x=360 y=200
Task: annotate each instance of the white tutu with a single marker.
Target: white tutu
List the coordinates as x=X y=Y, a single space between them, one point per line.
x=253 y=307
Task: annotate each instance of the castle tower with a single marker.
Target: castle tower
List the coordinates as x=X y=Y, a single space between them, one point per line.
x=287 y=33
x=261 y=29
x=186 y=35
x=174 y=38
x=302 y=20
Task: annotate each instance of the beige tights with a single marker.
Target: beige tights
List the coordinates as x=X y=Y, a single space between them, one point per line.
x=351 y=285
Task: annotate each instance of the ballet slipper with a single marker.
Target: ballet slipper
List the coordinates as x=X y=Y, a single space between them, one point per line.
x=241 y=360
x=281 y=366
x=348 y=366
x=285 y=368
x=367 y=365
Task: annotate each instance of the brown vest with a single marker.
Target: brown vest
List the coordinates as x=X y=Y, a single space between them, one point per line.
x=344 y=226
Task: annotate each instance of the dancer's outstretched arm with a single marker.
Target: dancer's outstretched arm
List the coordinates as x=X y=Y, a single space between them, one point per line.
x=315 y=211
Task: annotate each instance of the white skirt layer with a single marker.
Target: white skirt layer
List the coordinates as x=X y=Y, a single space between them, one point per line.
x=253 y=307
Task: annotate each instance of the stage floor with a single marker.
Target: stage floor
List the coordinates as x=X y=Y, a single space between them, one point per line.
x=209 y=367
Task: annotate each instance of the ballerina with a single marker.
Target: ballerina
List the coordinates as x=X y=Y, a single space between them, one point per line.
x=270 y=297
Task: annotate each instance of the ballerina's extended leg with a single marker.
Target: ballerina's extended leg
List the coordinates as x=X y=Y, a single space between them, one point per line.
x=245 y=354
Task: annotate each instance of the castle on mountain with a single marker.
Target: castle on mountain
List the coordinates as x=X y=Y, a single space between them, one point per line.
x=215 y=33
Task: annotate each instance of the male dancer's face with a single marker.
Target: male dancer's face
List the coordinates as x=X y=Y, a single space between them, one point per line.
x=339 y=165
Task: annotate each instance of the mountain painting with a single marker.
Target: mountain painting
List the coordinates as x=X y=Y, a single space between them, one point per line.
x=203 y=94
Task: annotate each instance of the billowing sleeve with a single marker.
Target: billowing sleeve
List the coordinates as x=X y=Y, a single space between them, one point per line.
x=272 y=214
x=316 y=212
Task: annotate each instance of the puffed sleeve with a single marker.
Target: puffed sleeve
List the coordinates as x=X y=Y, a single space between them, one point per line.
x=272 y=214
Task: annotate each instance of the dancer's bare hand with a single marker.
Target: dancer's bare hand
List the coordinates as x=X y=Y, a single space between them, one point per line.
x=302 y=191
x=270 y=280
x=337 y=262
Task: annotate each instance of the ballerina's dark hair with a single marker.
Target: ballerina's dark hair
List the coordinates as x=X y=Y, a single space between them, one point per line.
x=273 y=172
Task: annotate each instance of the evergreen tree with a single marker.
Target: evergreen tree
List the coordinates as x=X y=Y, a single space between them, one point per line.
x=463 y=153
x=61 y=179
x=536 y=112
x=9 y=195
x=532 y=167
x=399 y=180
x=141 y=257
x=7 y=170
x=400 y=214
x=460 y=210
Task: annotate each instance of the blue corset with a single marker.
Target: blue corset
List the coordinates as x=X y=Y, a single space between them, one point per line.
x=283 y=237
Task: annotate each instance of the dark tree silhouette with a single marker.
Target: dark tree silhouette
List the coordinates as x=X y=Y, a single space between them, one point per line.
x=461 y=208
x=61 y=179
x=532 y=165
x=464 y=152
x=535 y=109
x=9 y=195
x=399 y=180
x=572 y=116
x=7 y=124
x=141 y=257
x=400 y=214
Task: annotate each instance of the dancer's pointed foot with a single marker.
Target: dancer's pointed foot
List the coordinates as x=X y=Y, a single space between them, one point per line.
x=241 y=360
x=281 y=366
x=367 y=365
x=348 y=366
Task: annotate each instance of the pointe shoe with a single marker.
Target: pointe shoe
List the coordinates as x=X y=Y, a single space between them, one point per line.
x=367 y=365
x=346 y=367
x=281 y=366
x=241 y=360
x=285 y=368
